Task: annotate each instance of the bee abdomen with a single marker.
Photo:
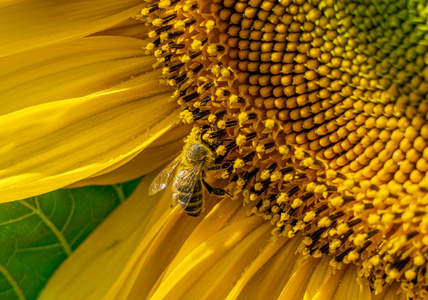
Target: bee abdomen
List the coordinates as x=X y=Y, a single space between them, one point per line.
x=192 y=206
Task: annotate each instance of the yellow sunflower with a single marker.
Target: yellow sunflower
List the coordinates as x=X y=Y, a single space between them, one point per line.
x=313 y=115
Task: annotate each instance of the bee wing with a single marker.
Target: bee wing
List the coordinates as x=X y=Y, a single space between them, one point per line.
x=192 y=178
x=161 y=181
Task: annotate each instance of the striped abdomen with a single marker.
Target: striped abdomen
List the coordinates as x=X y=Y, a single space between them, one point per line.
x=187 y=190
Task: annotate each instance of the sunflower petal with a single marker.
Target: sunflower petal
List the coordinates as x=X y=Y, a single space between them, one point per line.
x=348 y=289
x=271 y=249
x=274 y=274
x=161 y=151
x=295 y=287
x=205 y=257
x=391 y=293
x=54 y=144
x=208 y=226
x=130 y=27
x=230 y=267
x=155 y=253
x=69 y=70
x=27 y=25
x=323 y=283
x=102 y=257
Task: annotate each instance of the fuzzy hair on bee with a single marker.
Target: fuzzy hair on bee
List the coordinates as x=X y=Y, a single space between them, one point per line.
x=188 y=173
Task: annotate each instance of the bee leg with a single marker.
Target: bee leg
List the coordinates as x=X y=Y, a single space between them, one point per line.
x=219 y=166
x=214 y=190
x=214 y=133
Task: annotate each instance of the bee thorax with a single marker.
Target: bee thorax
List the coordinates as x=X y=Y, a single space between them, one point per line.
x=196 y=153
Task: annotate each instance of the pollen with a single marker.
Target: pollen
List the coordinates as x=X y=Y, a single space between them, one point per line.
x=239 y=163
x=221 y=150
x=270 y=124
x=319 y=109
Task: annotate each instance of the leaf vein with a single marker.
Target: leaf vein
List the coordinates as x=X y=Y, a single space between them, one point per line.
x=118 y=188
x=38 y=248
x=79 y=234
x=17 y=219
x=12 y=282
x=51 y=225
x=73 y=203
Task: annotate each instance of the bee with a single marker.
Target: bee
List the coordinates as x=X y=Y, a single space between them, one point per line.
x=189 y=175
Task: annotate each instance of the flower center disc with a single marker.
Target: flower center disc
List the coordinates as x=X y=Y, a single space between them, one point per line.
x=320 y=108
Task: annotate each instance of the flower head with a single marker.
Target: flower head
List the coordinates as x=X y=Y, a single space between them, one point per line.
x=317 y=111
x=339 y=86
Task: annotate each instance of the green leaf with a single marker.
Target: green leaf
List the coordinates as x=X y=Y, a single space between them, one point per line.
x=37 y=234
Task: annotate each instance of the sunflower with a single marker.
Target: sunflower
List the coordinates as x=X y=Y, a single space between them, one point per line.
x=314 y=113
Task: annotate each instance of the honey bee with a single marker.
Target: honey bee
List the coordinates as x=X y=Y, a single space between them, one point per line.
x=189 y=169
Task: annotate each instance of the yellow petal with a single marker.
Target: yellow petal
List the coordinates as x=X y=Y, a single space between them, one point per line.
x=130 y=28
x=208 y=226
x=271 y=249
x=205 y=257
x=52 y=145
x=160 y=152
x=273 y=276
x=73 y=69
x=155 y=253
x=348 y=287
x=92 y=269
x=229 y=268
x=364 y=287
x=295 y=287
x=29 y=24
x=390 y=293
x=323 y=284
